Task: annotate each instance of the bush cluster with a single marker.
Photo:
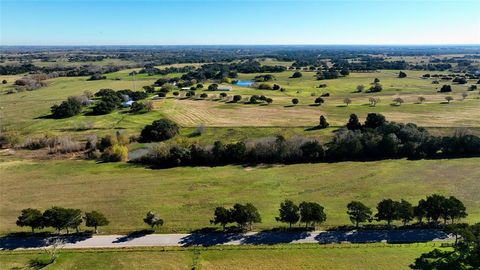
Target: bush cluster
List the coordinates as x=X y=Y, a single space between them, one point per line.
x=373 y=140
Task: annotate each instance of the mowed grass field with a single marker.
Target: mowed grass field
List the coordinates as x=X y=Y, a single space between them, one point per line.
x=332 y=257
x=185 y=197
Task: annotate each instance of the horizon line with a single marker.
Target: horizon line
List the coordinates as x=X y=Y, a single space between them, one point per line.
x=241 y=44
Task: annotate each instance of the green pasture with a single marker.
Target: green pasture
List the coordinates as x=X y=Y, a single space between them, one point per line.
x=186 y=196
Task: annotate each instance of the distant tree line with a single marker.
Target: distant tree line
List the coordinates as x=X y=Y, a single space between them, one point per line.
x=219 y=71
x=60 y=71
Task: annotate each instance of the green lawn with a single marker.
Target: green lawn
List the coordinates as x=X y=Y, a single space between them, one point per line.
x=186 y=196
x=341 y=257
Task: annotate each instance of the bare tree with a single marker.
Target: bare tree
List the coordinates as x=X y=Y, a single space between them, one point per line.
x=360 y=88
x=149 y=106
x=398 y=101
x=347 y=101
x=448 y=98
x=373 y=101
x=421 y=99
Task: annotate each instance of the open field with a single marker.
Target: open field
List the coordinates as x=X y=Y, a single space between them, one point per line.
x=185 y=197
x=25 y=111
x=191 y=113
x=333 y=257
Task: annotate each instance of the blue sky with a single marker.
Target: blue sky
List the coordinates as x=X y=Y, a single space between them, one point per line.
x=169 y=22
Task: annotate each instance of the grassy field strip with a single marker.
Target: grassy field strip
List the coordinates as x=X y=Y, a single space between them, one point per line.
x=186 y=196
x=303 y=256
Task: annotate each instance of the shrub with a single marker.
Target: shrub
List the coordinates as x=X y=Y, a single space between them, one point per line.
x=104 y=107
x=459 y=80
x=138 y=95
x=97 y=76
x=402 y=74
x=159 y=130
x=319 y=100
x=65 y=145
x=137 y=107
x=360 y=88
x=269 y=100
x=204 y=95
x=323 y=122
x=295 y=101
x=376 y=87
x=10 y=138
x=115 y=153
x=446 y=88
x=265 y=86
x=72 y=106
x=296 y=74
x=237 y=98
x=213 y=87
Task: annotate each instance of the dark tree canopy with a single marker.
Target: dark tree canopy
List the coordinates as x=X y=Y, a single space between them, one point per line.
x=222 y=216
x=358 y=213
x=353 y=122
x=72 y=106
x=312 y=213
x=159 y=130
x=296 y=74
x=30 y=218
x=245 y=214
x=387 y=210
x=153 y=220
x=288 y=213
x=323 y=122
x=95 y=219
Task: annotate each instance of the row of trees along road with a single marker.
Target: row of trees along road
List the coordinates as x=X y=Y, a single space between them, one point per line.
x=433 y=208
x=60 y=219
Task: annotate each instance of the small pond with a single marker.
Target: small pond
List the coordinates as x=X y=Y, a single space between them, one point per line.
x=244 y=83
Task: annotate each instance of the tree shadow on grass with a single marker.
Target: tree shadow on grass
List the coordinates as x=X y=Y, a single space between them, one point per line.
x=133 y=235
x=209 y=239
x=39 y=263
x=47 y=116
x=272 y=237
x=15 y=241
x=375 y=236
